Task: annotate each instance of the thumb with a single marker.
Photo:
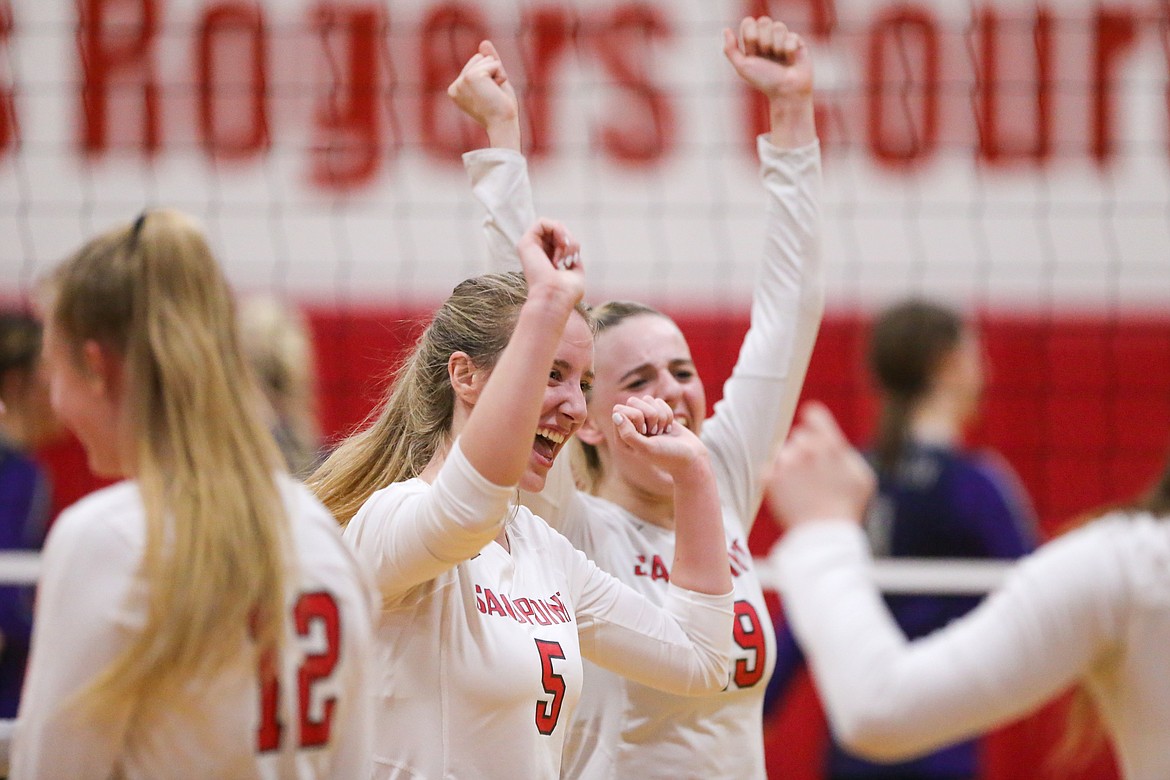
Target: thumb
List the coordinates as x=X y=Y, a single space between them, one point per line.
x=731 y=48
x=817 y=418
x=488 y=49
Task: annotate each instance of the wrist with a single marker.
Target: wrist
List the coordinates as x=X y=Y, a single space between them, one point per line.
x=793 y=121
x=694 y=472
x=553 y=296
x=504 y=133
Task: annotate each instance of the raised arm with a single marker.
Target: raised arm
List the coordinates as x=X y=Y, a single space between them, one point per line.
x=499 y=181
x=433 y=531
x=499 y=173
x=760 y=397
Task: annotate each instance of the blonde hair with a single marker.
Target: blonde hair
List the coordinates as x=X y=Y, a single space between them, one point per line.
x=279 y=348
x=399 y=439
x=216 y=529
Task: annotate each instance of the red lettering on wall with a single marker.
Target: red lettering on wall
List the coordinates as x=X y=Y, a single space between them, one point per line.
x=550 y=31
x=115 y=39
x=450 y=35
x=624 y=44
x=347 y=149
x=902 y=109
x=8 y=124
x=232 y=78
x=1115 y=30
x=993 y=145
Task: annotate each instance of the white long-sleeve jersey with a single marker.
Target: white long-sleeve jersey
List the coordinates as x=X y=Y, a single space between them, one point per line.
x=480 y=647
x=622 y=728
x=1092 y=607
x=312 y=722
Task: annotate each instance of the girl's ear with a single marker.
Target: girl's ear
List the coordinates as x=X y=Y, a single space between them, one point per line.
x=466 y=378
x=103 y=367
x=589 y=433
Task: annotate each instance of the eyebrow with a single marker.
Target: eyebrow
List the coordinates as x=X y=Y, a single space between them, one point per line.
x=648 y=367
x=564 y=366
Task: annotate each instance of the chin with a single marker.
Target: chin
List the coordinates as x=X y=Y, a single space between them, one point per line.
x=104 y=467
x=533 y=481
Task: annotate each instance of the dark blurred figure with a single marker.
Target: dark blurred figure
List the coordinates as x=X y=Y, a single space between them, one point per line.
x=27 y=423
x=935 y=499
x=279 y=348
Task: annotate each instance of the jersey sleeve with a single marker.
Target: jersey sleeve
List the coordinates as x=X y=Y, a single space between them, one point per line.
x=81 y=625
x=889 y=699
x=499 y=181
x=406 y=537
x=760 y=397
x=682 y=647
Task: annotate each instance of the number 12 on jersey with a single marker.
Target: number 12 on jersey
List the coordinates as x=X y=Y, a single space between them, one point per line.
x=318 y=608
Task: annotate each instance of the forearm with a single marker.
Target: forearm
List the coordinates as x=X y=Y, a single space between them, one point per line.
x=889 y=699
x=499 y=181
x=682 y=647
x=700 y=551
x=760 y=397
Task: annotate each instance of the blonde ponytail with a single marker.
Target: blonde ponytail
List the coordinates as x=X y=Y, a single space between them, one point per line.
x=216 y=529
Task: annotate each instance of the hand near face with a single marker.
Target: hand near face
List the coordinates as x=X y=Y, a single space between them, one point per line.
x=816 y=475
x=551 y=258
x=645 y=425
x=770 y=58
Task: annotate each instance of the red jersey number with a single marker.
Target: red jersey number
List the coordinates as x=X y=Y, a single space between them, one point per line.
x=549 y=712
x=749 y=635
x=311 y=608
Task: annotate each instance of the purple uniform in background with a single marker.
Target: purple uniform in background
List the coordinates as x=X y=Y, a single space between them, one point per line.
x=940 y=503
x=24 y=512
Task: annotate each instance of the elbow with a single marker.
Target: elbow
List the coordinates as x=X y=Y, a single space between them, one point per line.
x=877 y=737
x=707 y=676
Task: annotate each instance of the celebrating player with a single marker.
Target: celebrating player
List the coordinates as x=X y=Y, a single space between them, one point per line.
x=203 y=617
x=1091 y=607
x=628 y=522
x=486 y=611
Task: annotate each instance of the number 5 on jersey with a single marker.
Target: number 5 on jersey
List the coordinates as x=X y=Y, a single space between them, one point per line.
x=311 y=609
x=549 y=712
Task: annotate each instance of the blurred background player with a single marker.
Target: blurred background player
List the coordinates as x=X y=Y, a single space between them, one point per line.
x=279 y=347
x=202 y=617
x=626 y=521
x=1092 y=607
x=934 y=499
x=27 y=422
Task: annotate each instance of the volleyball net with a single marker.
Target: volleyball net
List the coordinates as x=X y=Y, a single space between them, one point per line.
x=1009 y=157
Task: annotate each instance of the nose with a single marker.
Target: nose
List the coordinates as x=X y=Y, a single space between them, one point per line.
x=669 y=389
x=573 y=405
